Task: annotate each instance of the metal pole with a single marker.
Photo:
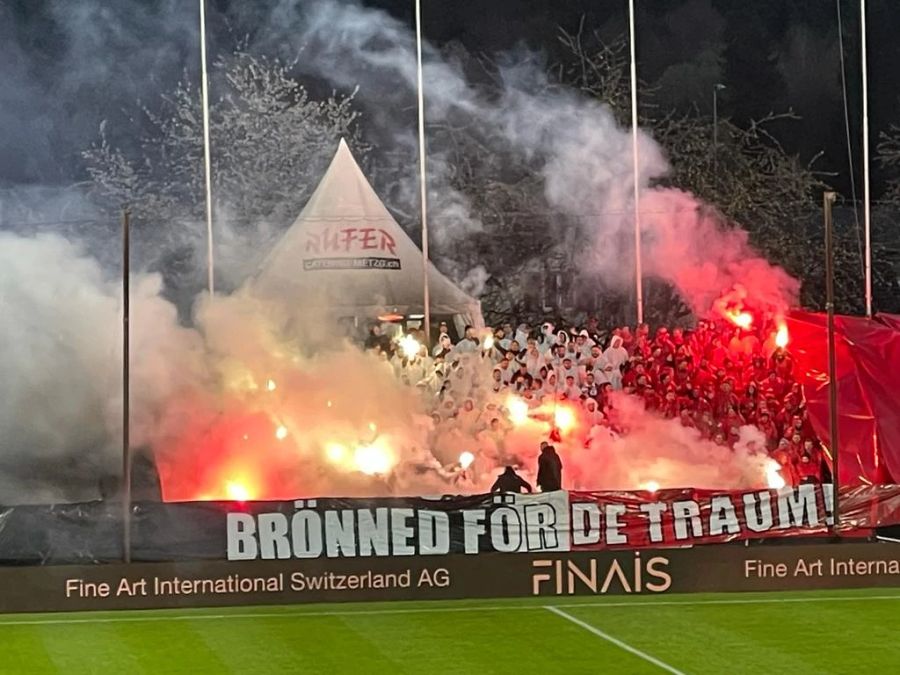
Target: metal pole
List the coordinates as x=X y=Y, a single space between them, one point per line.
x=638 y=273
x=867 y=207
x=829 y=198
x=126 y=336
x=204 y=93
x=422 y=175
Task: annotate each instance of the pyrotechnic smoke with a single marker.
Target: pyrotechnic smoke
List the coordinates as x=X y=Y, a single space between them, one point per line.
x=668 y=454
x=581 y=153
x=337 y=422
x=230 y=402
x=236 y=409
x=689 y=246
x=61 y=368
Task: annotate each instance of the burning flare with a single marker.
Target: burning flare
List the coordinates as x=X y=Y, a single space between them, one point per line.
x=741 y=319
x=782 y=337
x=650 y=486
x=465 y=460
x=373 y=459
x=237 y=492
x=409 y=346
x=518 y=410
x=774 y=479
x=564 y=418
x=336 y=453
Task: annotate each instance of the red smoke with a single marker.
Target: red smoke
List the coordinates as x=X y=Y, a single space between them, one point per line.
x=714 y=267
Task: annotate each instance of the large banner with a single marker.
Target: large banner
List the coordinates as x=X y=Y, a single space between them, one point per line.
x=558 y=521
x=350 y=528
x=602 y=520
x=403 y=528
x=689 y=517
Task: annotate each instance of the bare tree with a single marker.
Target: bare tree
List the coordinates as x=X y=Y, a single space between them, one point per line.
x=271 y=142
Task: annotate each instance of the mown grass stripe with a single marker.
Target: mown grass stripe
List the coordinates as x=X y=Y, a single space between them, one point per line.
x=130 y=618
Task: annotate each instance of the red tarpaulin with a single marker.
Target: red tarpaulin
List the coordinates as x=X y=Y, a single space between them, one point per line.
x=868 y=373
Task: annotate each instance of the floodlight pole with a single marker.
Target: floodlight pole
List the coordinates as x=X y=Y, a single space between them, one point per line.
x=638 y=272
x=867 y=204
x=207 y=163
x=126 y=339
x=833 y=431
x=422 y=176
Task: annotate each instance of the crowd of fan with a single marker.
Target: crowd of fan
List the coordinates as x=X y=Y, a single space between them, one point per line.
x=715 y=378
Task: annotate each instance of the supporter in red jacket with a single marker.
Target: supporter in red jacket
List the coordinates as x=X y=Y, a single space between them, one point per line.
x=782 y=363
x=773 y=386
x=770 y=429
x=670 y=407
x=796 y=445
x=782 y=455
x=732 y=418
x=809 y=468
x=758 y=371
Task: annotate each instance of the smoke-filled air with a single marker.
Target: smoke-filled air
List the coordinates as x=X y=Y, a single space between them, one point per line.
x=238 y=401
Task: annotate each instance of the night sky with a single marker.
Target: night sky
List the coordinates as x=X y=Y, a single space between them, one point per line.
x=772 y=55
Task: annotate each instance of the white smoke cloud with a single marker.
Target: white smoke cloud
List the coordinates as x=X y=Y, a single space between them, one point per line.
x=61 y=367
x=200 y=394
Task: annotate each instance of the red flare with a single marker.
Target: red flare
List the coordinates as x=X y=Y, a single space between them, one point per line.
x=782 y=337
x=741 y=319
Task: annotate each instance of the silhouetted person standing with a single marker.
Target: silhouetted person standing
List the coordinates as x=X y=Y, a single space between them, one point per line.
x=510 y=481
x=549 y=477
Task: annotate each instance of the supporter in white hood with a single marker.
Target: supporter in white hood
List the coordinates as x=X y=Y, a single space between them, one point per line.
x=570 y=369
x=507 y=370
x=502 y=339
x=550 y=386
x=533 y=358
x=615 y=356
x=555 y=358
x=599 y=366
x=469 y=343
x=386 y=364
x=572 y=391
x=583 y=344
x=434 y=378
x=548 y=338
x=522 y=334
x=443 y=346
x=592 y=413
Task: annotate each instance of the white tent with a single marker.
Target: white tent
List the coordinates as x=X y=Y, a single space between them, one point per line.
x=345 y=254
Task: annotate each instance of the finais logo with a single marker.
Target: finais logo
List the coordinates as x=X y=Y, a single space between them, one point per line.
x=559 y=576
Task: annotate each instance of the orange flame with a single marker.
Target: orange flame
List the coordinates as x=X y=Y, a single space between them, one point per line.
x=782 y=337
x=741 y=319
x=651 y=486
x=774 y=479
x=518 y=410
x=564 y=419
x=237 y=492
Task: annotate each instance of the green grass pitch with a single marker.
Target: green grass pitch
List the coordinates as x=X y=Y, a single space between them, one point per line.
x=821 y=632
